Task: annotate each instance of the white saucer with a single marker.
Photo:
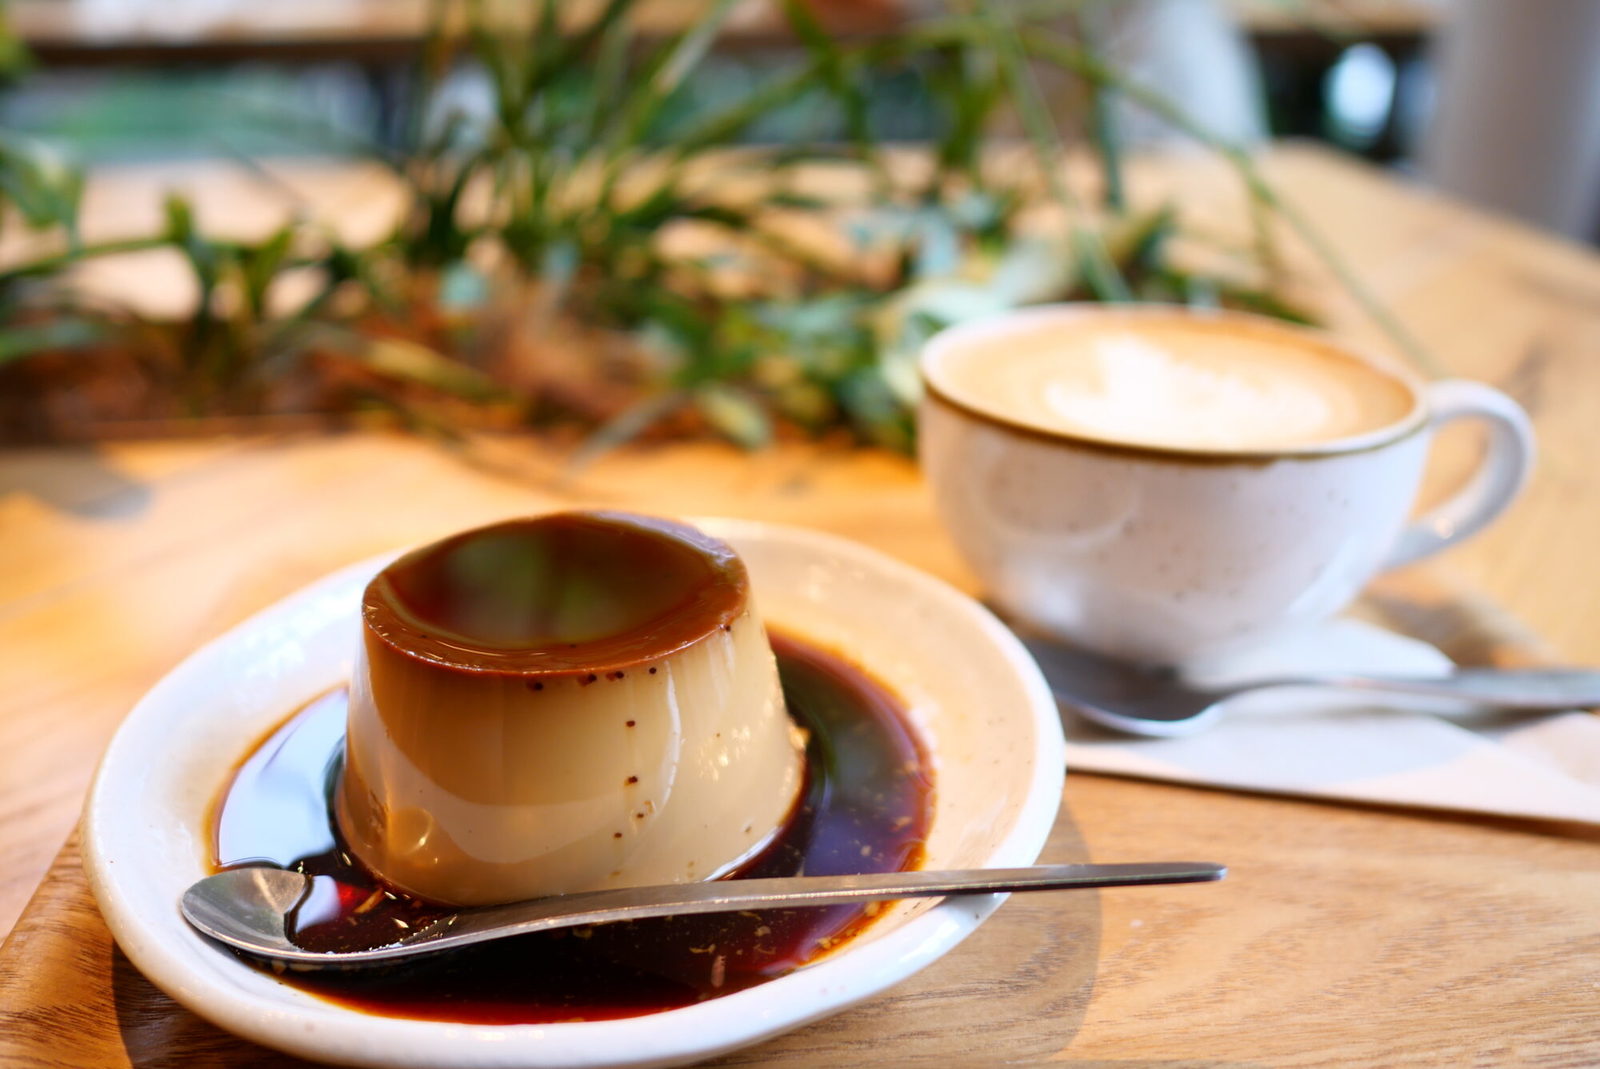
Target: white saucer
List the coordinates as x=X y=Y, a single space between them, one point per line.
x=974 y=693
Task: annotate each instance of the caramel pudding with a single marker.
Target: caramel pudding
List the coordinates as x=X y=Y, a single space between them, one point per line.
x=570 y=702
x=867 y=806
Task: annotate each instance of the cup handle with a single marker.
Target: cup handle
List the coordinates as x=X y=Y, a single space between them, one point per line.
x=1500 y=475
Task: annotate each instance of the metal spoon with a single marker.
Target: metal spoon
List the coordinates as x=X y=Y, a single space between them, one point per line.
x=253 y=909
x=1145 y=701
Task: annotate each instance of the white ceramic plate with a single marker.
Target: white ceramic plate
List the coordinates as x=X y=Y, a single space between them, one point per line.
x=974 y=693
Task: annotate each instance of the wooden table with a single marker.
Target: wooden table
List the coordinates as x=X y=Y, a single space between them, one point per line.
x=1345 y=935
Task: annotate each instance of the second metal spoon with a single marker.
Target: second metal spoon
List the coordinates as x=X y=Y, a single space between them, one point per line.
x=1142 y=701
x=253 y=909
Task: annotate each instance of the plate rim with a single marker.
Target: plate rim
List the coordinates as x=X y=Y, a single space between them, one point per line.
x=355 y=1038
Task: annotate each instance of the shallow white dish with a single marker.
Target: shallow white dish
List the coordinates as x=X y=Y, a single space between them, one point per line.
x=975 y=695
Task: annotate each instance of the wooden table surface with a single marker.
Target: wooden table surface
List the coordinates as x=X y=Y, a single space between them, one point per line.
x=1344 y=936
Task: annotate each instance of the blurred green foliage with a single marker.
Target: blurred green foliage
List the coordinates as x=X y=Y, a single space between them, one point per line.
x=568 y=200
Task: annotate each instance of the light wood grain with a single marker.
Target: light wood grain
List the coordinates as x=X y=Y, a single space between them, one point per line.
x=1345 y=936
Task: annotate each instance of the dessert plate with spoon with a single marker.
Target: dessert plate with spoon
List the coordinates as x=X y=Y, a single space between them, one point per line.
x=971 y=699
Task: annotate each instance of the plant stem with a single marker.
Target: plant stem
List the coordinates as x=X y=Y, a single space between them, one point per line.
x=57 y=261
x=1067 y=54
x=1099 y=271
x=1103 y=115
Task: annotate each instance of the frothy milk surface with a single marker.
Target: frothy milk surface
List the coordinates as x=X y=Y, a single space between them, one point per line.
x=1178 y=382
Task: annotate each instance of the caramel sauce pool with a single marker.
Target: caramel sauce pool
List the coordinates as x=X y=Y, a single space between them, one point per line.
x=866 y=808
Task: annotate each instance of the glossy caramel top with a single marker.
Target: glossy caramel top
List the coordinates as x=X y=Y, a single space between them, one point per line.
x=558 y=594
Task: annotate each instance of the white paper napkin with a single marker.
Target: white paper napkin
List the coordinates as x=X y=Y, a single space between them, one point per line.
x=1338 y=746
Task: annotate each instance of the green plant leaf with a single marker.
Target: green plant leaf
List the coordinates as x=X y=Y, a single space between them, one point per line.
x=734 y=415
x=1094 y=264
x=261 y=265
x=580 y=45
x=610 y=70
x=832 y=66
x=665 y=73
x=407 y=361
x=44 y=189
x=15 y=59
x=17 y=342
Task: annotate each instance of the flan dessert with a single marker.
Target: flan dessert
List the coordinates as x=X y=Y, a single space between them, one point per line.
x=569 y=702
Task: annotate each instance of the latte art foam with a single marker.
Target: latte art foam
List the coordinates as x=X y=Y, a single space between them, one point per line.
x=1140 y=390
x=1175 y=381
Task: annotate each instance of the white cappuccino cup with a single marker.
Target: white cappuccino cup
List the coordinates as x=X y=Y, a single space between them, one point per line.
x=1165 y=485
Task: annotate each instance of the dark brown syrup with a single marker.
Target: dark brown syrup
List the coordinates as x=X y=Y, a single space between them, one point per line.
x=866 y=808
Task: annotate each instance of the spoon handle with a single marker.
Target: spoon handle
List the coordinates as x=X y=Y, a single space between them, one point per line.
x=1533 y=690
x=721 y=896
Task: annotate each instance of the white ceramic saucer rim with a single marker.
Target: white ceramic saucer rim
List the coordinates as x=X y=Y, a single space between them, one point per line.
x=177 y=960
